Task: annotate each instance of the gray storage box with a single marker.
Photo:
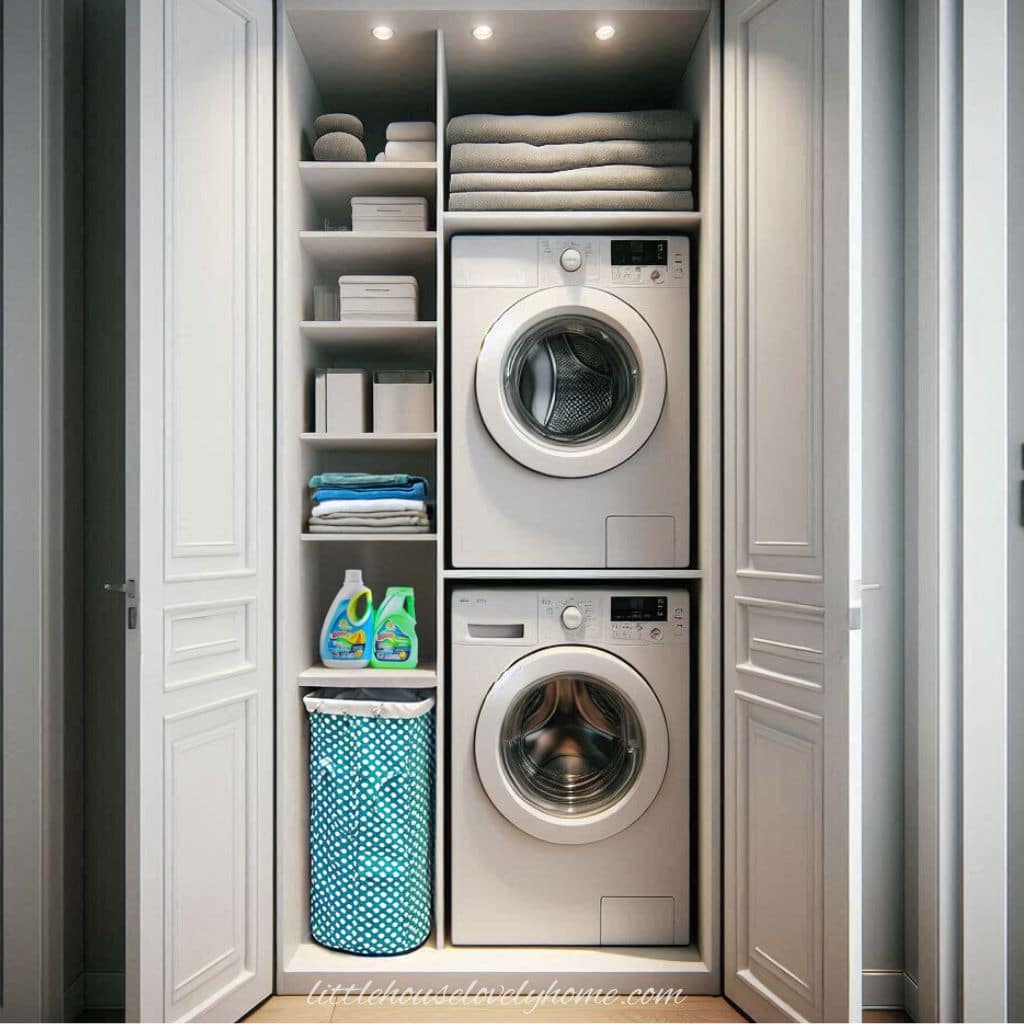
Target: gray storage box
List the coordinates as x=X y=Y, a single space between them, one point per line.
x=342 y=402
x=378 y=297
x=389 y=213
x=403 y=402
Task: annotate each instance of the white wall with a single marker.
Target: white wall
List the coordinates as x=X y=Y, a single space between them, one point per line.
x=1015 y=380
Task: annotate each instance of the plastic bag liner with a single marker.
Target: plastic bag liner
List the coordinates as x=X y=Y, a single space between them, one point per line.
x=371 y=819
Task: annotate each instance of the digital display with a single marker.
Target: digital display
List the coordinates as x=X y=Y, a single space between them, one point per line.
x=639 y=252
x=639 y=609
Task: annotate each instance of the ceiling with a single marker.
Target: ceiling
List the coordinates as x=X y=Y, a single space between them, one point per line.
x=541 y=61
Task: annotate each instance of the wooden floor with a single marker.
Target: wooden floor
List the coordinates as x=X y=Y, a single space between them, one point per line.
x=297 y=1010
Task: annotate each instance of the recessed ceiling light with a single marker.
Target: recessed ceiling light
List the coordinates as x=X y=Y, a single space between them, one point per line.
x=483 y=32
x=604 y=32
x=382 y=32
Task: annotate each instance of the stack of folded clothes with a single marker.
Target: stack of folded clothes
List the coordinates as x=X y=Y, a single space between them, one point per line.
x=369 y=502
x=638 y=160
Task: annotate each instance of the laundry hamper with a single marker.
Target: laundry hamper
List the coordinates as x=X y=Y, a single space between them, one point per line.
x=371 y=775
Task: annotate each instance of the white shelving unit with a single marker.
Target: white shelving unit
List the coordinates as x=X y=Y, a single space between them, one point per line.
x=424 y=675
x=370 y=442
x=568 y=222
x=326 y=58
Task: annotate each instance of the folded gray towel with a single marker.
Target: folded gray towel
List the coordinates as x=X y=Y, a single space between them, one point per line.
x=618 y=176
x=317 y=528
x=541 y=129
x=606 y=199
x=514 y=157
x=339 y=146
x=338 y=123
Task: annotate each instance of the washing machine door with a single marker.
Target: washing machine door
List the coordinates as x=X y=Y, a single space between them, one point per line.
x=571 y=744
x=570 y=382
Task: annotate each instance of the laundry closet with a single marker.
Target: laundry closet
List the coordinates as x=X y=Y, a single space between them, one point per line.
x=753 y=573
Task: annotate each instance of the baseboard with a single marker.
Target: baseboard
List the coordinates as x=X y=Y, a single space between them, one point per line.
x=104 y=990
x=74 y=999
x=883 y=990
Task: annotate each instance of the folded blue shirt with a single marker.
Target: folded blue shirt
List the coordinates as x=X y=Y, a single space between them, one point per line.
x=363 y=481
x=416 y=491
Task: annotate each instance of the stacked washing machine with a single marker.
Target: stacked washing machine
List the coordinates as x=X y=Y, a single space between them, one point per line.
x=570 y=704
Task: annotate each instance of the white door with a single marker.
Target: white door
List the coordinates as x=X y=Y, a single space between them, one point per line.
x=199 y=709
x=792 y=501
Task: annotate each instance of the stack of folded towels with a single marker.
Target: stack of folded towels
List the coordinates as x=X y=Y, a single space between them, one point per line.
x=638 y=160
x=413 y=141
x=369 y=502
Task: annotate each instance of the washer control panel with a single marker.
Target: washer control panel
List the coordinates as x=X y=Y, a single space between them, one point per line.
x=633 y=262
x=627 y=616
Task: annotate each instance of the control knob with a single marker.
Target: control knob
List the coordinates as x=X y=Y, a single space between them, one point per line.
x=572 y=617
x=571 y=260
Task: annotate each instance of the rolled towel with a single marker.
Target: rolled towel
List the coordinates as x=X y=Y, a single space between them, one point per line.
x=327 y=123
x=605 y=199
x=408 y=151
x=540 y=129
x=339 y=146
x=515 y=157
x=411 y=131
x=618 y=176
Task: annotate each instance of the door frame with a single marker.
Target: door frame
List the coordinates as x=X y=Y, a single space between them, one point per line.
x=984 y=284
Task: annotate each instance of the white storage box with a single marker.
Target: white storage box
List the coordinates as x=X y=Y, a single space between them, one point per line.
x=389 y=213
x=378 y=297
x=342 y=402
x=403 y=402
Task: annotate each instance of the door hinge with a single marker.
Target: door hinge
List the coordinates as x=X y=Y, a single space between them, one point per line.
x=855 y=617
x=131 y=608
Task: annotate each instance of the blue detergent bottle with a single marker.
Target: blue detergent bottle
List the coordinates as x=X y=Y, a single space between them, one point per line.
x=395 y=644
x=347 y=633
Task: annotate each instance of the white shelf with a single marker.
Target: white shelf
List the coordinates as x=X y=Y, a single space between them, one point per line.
x=369 y=537
x=332 y=185
x=321 y=675
x=370 y=442
x=374 y=252
x=377 y=343
x=569 y=222
x=638 y=575
x=624 y=967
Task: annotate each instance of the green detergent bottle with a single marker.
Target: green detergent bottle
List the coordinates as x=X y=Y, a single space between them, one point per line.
x=395 y=644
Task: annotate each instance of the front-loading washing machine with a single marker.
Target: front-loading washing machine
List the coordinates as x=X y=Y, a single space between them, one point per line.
x=570 y=402
x=570 y=766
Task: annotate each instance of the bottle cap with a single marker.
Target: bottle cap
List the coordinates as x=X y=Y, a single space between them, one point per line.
x=353 y=575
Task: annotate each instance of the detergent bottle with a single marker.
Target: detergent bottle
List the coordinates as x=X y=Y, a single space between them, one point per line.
x=348 y=631
x=395 y=644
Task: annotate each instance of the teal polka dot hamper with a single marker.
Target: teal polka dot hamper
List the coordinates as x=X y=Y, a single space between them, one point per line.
x=371 y=819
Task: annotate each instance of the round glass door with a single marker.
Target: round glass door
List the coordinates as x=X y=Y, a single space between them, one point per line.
x=571 y=744
x=570 y=381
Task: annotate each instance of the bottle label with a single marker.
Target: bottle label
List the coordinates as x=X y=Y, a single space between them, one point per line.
x=391 y=643
x=346 y=643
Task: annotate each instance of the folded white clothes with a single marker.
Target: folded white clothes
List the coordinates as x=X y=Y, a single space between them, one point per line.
x=420 y=152
x=316 y=527
x=370 y=522
x=601 y=199
x=324 y=508
x=411 y=131
x=512 y=157
x=616 y=176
